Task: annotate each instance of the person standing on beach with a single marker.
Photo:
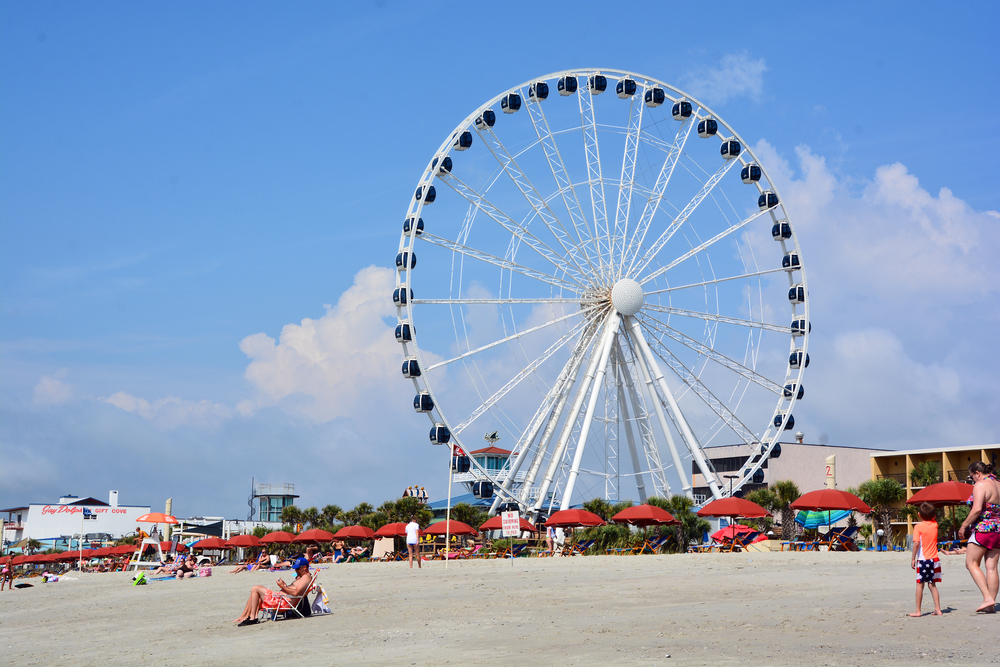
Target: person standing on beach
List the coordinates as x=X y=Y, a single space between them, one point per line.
x=412 y=538
x=925 y=557
x=982 y=527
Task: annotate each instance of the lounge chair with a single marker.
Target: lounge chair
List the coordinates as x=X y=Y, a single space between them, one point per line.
x=743 y=540
x=296 y=604
x=579 y=549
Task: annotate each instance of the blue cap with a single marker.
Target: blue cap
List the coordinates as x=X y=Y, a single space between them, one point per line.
x=301 y=561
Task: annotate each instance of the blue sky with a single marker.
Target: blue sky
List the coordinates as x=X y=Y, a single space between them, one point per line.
x=176 y=178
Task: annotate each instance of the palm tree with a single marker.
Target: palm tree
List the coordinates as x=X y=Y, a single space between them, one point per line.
x=330 y=515
x=882 y=495
x=291 y=515
x=767 y=499
x=310 y=516
x=786 y=493
x=600 y=507
x=925 y=473
x=360 y=511
x=690 y=523
x=32 y=545
x=466 y=513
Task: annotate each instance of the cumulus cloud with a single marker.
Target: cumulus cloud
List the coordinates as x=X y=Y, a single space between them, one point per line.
x=171 y=412
x=339 y=365
x=52 y=390
x=737 y=75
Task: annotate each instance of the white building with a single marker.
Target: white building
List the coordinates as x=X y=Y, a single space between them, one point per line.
x=59 y=521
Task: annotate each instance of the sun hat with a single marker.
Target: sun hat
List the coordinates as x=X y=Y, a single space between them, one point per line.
x=301 y=561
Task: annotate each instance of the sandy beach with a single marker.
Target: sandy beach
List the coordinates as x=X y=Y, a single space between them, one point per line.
x=697 y=609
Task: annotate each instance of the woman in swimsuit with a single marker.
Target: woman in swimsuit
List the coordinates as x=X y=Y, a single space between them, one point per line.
x=982 y=527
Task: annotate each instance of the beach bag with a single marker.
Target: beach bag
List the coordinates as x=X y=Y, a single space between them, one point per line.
x=321 y=605
x=205 y=572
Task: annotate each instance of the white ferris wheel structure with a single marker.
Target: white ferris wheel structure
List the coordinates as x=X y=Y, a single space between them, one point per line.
x=608 y=280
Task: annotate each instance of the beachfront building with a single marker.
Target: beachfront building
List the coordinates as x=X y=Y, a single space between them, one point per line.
x=801 y=462
x=953 y=463
x=272 y=499
x=59 y=524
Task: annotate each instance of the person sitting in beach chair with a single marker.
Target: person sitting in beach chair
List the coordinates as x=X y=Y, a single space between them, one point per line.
x=356 y=554
x=263 y=561
x=170 y=568
x=288 y=599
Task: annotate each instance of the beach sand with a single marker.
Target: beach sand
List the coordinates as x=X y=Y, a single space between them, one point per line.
x=698 y=609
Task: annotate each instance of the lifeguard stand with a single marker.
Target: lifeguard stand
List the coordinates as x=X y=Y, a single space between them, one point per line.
x=154 y=539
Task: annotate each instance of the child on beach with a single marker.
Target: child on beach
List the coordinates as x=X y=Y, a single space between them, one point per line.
x=925 y=557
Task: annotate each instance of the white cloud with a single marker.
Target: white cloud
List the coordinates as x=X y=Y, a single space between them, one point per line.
x=52 y=390
x=737 y=75
x=343 y=364
x=171 y=412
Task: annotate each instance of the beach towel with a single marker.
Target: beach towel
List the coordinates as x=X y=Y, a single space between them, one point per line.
x=321 y=605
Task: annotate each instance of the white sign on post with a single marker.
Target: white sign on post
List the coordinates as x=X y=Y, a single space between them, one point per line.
x=511 y=523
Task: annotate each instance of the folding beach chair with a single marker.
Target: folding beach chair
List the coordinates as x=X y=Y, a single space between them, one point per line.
x=580 y=548
x=296 y=604
x=743 y=540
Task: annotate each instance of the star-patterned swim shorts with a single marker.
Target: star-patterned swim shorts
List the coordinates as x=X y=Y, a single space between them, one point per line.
x=929 y=571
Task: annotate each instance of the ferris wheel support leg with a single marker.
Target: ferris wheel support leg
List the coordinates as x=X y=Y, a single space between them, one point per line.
x=647 y=379
x=602 y=368
x=690 y=440
x=640 y=482
x=567 y=430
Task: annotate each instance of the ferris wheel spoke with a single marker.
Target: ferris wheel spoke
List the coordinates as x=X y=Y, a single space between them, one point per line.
x=713 y=281
x=627 y=185
x=595 y=178
x=573 y=287
x=699 y=388
x=504 y=340
x=653 y=201
x=466 y=302
x=538 y=203
x=703 y=246
x=525 y=372
x=682 y=217
x=558 y=168
x=711 y=317
x=653 y=325
x=481 y=203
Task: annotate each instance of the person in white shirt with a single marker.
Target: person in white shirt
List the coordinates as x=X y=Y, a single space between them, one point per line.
x=412 y=537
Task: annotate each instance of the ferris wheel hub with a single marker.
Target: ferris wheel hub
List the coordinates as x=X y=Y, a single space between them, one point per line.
x=627 y=297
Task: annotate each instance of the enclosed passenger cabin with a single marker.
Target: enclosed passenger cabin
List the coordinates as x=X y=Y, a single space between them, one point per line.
x=707 y=128
x=795 y=359
x=404 y=333
x=768 y=199
x=408 y=223
x=730 y=149
x=538 y=91
x=797 y=293
x=681 y=110
x=800 y=327
x=566 y=85
x=440 y=435
x=775 y=451
x=404 y=258
x=597 y=84
x=460 y=464
x=463 y=141
x=486 y=119
x=401 y=294
x=789 y=425
x=758 y=476
x=654 y=97
x=781 y=231
x=423 y=402
x=411 y=369
x=625 y=88
x=793 y=388
x=445 y=167
x=482 y=490
x=427 y=193
x=750 y=173
x=790 y=262
x=510 y=103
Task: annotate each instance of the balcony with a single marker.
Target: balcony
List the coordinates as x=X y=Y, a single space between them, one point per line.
x=959 y=476
x=495 y=476
x=898 y=476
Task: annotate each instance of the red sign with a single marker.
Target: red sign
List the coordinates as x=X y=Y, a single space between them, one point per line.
x=74 y=509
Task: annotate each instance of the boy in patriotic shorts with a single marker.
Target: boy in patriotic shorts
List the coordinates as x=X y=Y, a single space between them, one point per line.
x=925 y=557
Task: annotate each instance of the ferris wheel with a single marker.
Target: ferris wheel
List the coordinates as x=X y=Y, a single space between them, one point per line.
x=608 y=280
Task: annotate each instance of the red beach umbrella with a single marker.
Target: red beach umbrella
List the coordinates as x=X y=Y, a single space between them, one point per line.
x=210 y=543
x=397 y=529
x=18 y=560
x=157 y=517
x=278 y=537
x=831 y=499
x=453 y=527
x=354 y=533
x=496 y=523
x=314 y=535
x=123 y=549
x=165 y=546
x=103 y=552
x=243 y=541
x=733 y=506
x=4 y=560
x=942 y=494
x=731 y=531
x=645 y=515
x=574 y=519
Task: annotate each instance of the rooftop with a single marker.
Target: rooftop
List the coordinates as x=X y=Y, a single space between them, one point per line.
x=492 y=450
x=926 y=450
